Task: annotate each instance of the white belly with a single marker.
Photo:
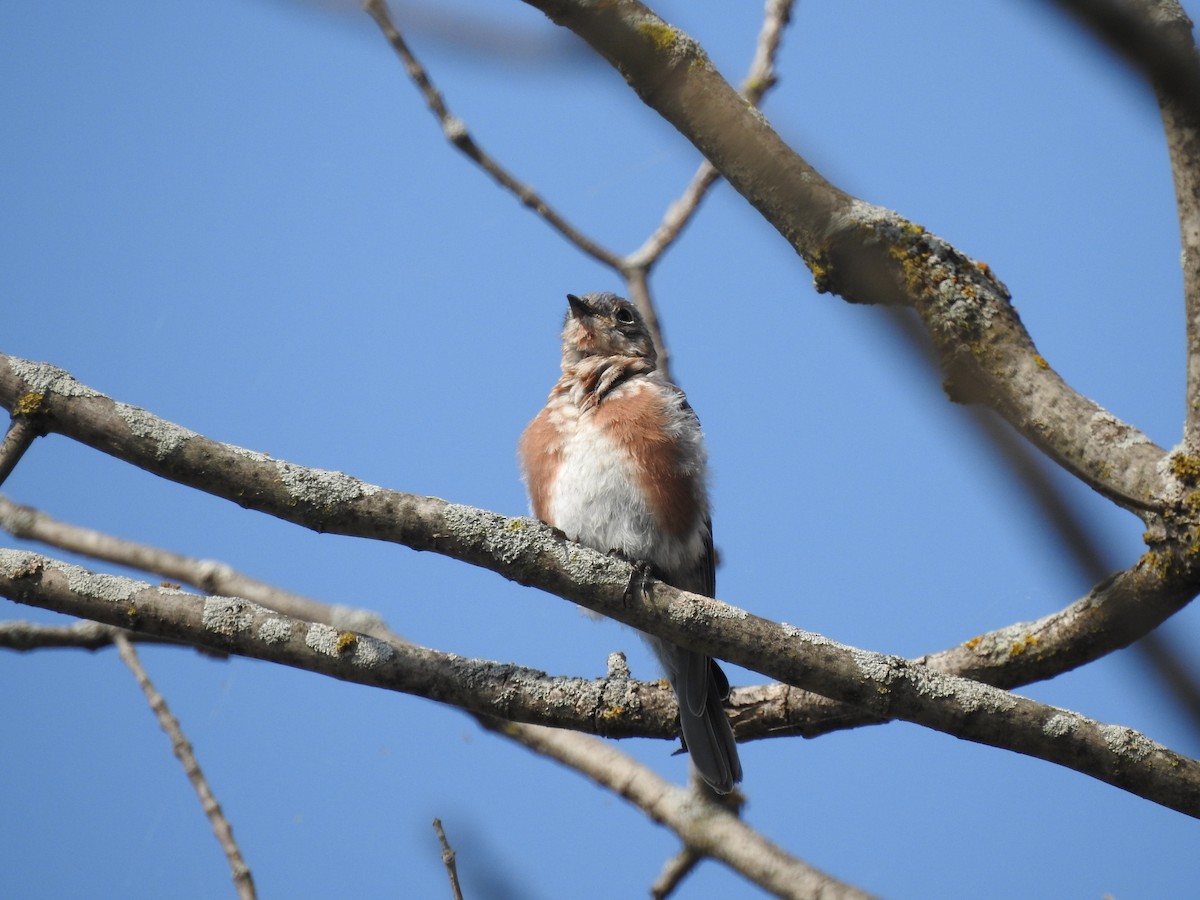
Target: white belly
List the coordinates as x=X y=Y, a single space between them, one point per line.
x=596 y=501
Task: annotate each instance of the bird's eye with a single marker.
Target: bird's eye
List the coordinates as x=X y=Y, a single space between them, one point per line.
x=623 y=316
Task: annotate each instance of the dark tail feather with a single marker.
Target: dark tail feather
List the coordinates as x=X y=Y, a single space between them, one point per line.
x=700 y=686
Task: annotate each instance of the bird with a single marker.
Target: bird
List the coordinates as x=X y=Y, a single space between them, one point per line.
x=616 y=461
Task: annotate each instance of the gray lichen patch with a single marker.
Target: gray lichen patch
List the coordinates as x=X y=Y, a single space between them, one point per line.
x=22 y=563
x=245 y=453
x=1104 y=426
x=509 y=539
x=275 y=631
x=1126 y=742
x=369 y=652
x=699 y=608
x=969 y=696
x=323 y=639
x=113 y=588
x=321 y=486
x=975 y=697
x=1061 y=724
x=791 y=631
x=167 y=436
x=229 y=615
x=671 y=43
x=876 y=668
x=43 y=378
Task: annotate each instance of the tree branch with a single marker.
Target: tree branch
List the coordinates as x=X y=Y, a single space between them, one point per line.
x=871 y=255
x=19 y=437
x=706 y=828
x=205 y=574
x=611 y=706
x=635 y=267
x=653 y=699
x=760 y=79
x=1113 y=615
x=457 y=134
x=884 y=686
x=1155 y=38
x=448 y=860
x=243 y=881
x=26 y=636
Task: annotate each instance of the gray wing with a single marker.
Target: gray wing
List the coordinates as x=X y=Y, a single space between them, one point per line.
x=700 y=686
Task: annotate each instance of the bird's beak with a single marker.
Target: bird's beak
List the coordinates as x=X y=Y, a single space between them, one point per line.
x=579 y=309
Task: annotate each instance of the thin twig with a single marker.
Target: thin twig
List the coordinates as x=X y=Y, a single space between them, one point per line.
x=707 y=828
x=448 y=860
x=456 y=132
x=635 y=267
x=25 y=636
x=1155 y=38
x=883 y=686
x=677 y=868
x=20 y=435
x=207 y=575
x=759 y=80
x=242 y=879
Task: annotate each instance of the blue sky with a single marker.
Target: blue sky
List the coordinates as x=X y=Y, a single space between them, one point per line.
x=240 y=216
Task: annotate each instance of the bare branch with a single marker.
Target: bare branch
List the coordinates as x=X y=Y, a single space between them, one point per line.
x=448 y=860
x=1110 y=617
x=637 y=265
x=19 y=437
x=1155 y=38
x=611 y=706
x=216 y=576
x=883 y=686
x=533 y=555
x=456 y=132
x=677 y=868
x=871 y=255
x=242 y=879
x=206 y=574
x=637 y=283
x=1080 y=539
x=27 y=636
x=1006 y=658
x=761 y=79
x=707 y=828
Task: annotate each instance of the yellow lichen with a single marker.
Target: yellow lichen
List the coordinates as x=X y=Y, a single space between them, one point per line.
x=663 y=36
x=1186 y=468
x=346 y=641
x=28 y=404
x=973 y=642
x=1026 y=643
x=613 y=712
x=1041 y=361
x=819 y=266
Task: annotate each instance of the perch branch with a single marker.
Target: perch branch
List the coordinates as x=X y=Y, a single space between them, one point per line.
x=885 y=687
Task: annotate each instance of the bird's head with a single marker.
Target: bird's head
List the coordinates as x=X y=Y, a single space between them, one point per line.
x=605 y=325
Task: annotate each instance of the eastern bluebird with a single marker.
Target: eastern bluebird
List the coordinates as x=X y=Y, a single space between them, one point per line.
x=616 y=461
